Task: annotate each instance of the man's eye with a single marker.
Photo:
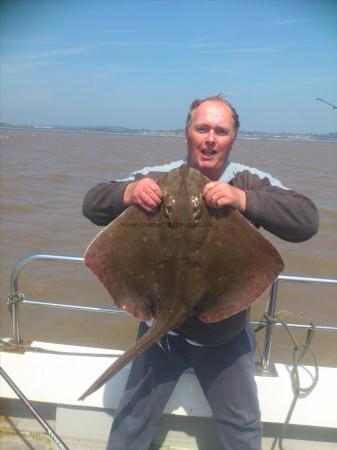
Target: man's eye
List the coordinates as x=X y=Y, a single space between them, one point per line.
x=202 y=129
x=222 y=131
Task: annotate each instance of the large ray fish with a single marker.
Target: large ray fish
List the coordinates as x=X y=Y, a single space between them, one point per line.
x=182 y=260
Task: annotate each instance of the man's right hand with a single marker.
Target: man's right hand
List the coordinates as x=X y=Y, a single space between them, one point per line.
x=145 y=193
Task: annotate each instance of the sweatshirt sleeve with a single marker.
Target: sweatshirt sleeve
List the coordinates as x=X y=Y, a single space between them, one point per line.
x=283 y=212
x=104 y=202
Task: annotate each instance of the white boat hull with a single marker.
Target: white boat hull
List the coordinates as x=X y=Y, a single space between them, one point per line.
x=58 y=380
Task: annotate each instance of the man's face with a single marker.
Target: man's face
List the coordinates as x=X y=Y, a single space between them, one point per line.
x=210 y=137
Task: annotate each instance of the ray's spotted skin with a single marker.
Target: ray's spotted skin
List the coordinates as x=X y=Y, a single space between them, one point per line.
x=180 y=260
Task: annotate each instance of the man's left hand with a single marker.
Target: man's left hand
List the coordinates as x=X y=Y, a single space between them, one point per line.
x=218 y=194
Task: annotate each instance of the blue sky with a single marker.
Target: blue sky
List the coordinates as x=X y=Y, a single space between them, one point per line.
x=140 y=64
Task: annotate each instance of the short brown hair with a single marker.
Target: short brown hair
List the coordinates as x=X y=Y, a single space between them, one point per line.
x=216 y=98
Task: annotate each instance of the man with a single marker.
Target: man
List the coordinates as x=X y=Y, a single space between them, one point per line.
x=222 y=352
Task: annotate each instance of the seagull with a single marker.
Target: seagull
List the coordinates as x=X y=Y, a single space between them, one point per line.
x=324 y=101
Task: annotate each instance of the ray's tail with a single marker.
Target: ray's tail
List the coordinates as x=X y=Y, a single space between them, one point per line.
x=160 y=326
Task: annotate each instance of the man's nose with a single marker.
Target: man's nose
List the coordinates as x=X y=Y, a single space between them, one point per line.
x=211 y=136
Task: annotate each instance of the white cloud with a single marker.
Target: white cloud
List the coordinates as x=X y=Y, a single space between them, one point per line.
x=242 y=50
x=49 y=54
x=132 y=44
x=280 y=23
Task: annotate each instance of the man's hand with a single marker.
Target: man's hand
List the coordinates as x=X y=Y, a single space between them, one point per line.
x=218 y=194
x=145 y=193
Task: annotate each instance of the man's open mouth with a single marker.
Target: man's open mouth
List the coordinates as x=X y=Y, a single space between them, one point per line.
x=208 y=152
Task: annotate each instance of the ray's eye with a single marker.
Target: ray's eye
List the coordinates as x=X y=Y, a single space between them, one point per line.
x=168 y=205
x=196 y=206
x=167 y=211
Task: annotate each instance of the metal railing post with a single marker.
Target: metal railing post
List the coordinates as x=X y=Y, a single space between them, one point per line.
x=14 y=298
x=270 y=318
x=14 y=311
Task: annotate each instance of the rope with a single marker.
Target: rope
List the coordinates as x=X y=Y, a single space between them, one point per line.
x=299 y=351
x=6 y=345
x=15 y=298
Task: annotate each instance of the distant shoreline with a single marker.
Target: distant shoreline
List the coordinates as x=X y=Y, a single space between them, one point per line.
x=113 y=133
x=176 y=134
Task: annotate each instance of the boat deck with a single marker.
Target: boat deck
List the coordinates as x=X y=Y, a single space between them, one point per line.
x=10 y=439
x=53 y=383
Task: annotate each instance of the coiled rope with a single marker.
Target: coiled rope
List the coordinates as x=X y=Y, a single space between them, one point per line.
x=298 y=353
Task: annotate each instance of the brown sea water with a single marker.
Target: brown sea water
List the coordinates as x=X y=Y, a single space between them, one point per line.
x=44 y=177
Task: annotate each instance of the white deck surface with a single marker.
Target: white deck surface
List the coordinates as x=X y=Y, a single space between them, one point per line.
x=61 y=379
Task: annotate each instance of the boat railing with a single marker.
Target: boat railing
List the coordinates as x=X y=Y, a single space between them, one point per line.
x=268 y=322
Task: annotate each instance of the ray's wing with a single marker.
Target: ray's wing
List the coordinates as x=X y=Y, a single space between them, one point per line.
x=124 y=257
x=239 y=264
